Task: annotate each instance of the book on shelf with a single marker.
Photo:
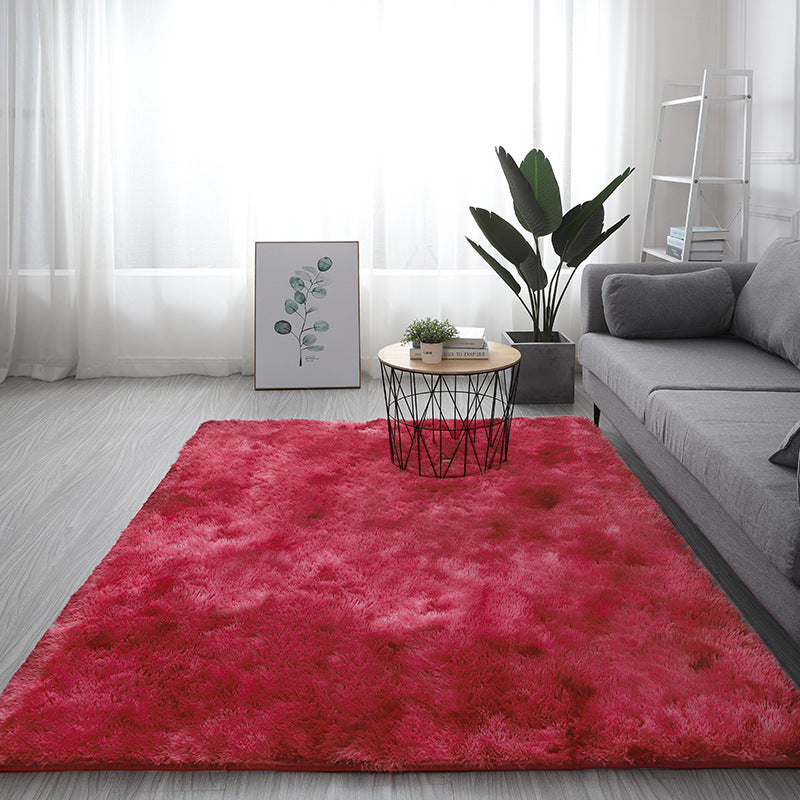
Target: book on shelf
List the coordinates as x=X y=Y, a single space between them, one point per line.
x=468 y=337
x=449 y=351
x=700 y=233
x=709 y=245
x=695 y=255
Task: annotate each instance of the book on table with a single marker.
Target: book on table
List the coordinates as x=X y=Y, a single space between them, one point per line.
x=468 y=337
x=451 y=351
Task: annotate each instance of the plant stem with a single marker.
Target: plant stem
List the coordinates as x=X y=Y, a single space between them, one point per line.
x=303 y=327
x=536 y=301
x=564 y=291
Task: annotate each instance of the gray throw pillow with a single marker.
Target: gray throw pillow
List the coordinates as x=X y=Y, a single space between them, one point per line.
x=789 y=451
x=678 y=306
x=768 y=309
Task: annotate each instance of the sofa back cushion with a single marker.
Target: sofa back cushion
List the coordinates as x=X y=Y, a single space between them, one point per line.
x=768 y=309
x=676 y=306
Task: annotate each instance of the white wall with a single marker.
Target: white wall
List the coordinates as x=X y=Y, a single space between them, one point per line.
x=689 y=38
x=764 y=35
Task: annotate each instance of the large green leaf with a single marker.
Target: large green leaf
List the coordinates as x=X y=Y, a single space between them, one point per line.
x=502 y=235
x=567 y=250
x=581 y=257
x=526 y=206
x=539 y=174
x=533 y=273
x=504 y=274
x=570 y=230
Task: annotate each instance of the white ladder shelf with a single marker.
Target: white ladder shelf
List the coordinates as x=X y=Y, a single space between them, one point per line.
x=703 y=99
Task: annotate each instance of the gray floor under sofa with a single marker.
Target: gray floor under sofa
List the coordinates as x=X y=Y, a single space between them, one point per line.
x=704 y=414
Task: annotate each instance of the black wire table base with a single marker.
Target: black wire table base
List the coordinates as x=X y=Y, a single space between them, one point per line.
x=446 y=425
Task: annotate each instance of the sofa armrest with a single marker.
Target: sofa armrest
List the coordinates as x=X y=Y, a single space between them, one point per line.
x=592 y=317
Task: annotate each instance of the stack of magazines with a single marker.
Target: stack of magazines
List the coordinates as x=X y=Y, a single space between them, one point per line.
x=470 y=343
x=707 y=243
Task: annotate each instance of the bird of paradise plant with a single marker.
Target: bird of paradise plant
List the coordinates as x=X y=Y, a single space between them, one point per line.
x=576 y=234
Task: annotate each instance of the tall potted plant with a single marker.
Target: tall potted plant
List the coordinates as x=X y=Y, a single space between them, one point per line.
x=548 y=357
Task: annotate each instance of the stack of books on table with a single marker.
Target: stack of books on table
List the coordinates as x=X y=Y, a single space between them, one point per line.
x=707 y=243
x=470 y=343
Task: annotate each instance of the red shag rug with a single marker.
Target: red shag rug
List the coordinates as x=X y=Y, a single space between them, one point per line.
x=289 y=599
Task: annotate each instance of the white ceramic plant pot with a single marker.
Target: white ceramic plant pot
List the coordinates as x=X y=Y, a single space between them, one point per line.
x=431 y=352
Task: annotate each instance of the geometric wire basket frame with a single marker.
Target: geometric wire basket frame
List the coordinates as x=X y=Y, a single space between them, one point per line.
x=446 y=425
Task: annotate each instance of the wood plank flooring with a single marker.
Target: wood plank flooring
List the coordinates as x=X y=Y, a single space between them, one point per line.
x=77 y=461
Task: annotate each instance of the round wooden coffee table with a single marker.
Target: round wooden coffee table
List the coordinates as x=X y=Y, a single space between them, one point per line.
x=452 y=418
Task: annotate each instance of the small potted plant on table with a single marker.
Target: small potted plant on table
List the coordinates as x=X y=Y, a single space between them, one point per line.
x=429 y=334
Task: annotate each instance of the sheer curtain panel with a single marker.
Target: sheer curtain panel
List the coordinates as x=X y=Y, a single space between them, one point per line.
x=146 y=146
x=57 y=201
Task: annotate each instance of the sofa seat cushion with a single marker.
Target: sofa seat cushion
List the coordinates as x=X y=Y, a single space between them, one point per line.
x=724 y=439
x=633 y=368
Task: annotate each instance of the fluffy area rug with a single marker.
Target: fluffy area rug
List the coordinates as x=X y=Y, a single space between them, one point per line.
x=289 y=599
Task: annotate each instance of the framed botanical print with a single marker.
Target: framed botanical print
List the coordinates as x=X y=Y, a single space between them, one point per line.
x=307 y=315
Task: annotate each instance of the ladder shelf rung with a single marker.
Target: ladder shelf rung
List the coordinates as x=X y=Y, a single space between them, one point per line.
x=696 y=99
x=728 y=98
x=659 y=252
x=682 y=101
x=701 y=179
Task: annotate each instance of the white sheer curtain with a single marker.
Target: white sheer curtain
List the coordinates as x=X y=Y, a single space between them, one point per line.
x=145 y=147
x=595 y=113
x=56 y=207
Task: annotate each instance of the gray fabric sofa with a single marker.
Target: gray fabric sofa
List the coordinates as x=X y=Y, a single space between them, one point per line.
x=705 y=411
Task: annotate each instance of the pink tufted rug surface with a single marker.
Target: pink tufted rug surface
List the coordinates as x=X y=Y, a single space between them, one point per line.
x=289 y=599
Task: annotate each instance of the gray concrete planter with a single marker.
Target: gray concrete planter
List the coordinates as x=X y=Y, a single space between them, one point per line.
x=547 y=369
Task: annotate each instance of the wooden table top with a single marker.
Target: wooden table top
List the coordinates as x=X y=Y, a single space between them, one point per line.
x=501 y=356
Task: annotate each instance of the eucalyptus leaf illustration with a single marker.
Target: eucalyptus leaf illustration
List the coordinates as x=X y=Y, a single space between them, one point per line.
x=305 y=283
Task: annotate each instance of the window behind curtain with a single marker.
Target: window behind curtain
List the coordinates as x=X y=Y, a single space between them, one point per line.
x=356 y=119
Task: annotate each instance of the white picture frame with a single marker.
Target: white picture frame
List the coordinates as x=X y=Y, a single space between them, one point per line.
x=307 y=329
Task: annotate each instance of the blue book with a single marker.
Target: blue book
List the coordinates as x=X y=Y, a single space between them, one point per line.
x=700 y=233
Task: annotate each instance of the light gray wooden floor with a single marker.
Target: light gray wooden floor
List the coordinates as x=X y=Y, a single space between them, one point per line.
x=78 y=459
